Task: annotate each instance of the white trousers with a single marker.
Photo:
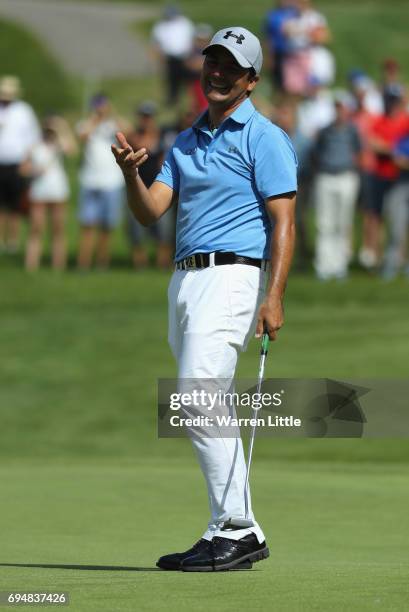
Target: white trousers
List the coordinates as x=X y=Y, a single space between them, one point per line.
x=335 y=198
x=212 y=316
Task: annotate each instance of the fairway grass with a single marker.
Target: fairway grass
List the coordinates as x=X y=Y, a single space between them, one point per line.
x=81 y=355
x=337 y=536
x=84 y=480
x=45 y=84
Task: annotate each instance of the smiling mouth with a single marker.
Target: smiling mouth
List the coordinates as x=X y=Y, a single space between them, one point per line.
x=218 y=87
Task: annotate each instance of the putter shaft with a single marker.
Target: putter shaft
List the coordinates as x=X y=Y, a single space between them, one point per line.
x=263 y=355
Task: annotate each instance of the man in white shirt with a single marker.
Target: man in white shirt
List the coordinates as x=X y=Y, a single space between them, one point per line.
x=316 y=111
x=101 y=183
x=19 y=131
x=172 y=39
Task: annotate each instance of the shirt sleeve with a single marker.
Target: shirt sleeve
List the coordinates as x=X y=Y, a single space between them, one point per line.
x=169 y=173
x=275 y=163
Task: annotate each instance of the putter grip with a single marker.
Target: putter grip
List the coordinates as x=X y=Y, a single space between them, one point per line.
x=264 y=344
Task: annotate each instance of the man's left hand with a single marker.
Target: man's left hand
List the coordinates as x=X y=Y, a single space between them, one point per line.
x=270 y=317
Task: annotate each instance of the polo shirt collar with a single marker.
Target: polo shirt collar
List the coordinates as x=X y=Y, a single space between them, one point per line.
x=241 y=115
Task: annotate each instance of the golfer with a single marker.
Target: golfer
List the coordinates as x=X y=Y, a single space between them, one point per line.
x=234 y=176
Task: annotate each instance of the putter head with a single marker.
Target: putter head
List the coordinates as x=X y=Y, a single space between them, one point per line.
x=235 y=522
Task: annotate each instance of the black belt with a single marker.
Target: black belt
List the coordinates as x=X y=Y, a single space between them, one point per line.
x=204 y=260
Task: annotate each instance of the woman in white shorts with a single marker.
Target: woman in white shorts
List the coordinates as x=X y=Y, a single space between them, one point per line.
x=49 y=192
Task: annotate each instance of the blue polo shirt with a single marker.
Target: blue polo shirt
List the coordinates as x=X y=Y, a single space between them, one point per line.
x=223 y=180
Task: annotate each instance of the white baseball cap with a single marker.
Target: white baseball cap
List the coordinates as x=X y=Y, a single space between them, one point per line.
x=242 y=44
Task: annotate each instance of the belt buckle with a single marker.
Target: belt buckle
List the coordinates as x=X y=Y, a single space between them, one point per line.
x=190 y=262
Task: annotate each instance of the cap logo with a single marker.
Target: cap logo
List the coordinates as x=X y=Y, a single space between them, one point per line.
x=239 y=39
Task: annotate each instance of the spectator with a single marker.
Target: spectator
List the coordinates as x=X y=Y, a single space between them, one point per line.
x=101 y=183
x=193 y=67
x=363 y=120
x=49 y=191
x=19 y=131
x=337 y=182
x=285 y=116
x=309 y=28
x=172 y=39
x=276 y=42
x=397 y=212
x=169 y=132
x=362 y=87
x=316 y=111
x=391 y=73
x=322 y=65
x=386 y=131
x=147 y=134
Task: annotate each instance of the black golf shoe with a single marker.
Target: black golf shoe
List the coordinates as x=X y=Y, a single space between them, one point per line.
x=173 y=561
x=225 y=554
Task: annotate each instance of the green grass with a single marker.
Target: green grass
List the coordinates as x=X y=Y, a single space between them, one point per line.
x=81 y=355
x=45 y=85
x=337 y=537
x=84 y=480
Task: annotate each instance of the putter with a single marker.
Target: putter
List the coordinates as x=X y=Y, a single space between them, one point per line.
x=239 y=522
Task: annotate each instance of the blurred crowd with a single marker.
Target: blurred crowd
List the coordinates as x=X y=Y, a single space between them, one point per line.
x=35 y=187
x=352 y=145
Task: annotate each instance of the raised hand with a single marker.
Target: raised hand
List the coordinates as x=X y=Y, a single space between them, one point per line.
x=126 y=158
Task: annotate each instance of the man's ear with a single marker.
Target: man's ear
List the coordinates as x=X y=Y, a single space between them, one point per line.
x=253 y=80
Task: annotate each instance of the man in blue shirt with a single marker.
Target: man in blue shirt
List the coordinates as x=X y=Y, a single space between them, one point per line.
x=276 y=40
x=234 y=174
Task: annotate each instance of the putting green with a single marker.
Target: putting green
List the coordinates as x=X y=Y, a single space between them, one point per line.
x=337 y=535
x=80 y=357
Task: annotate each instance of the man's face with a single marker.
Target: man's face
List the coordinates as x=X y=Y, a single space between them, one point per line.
x=224 y=81
x=342 y=111
x=103 y=109
x=146 y=120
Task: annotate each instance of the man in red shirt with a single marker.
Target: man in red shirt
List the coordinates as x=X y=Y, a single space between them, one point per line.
x=363 y=120
x=386 y=131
